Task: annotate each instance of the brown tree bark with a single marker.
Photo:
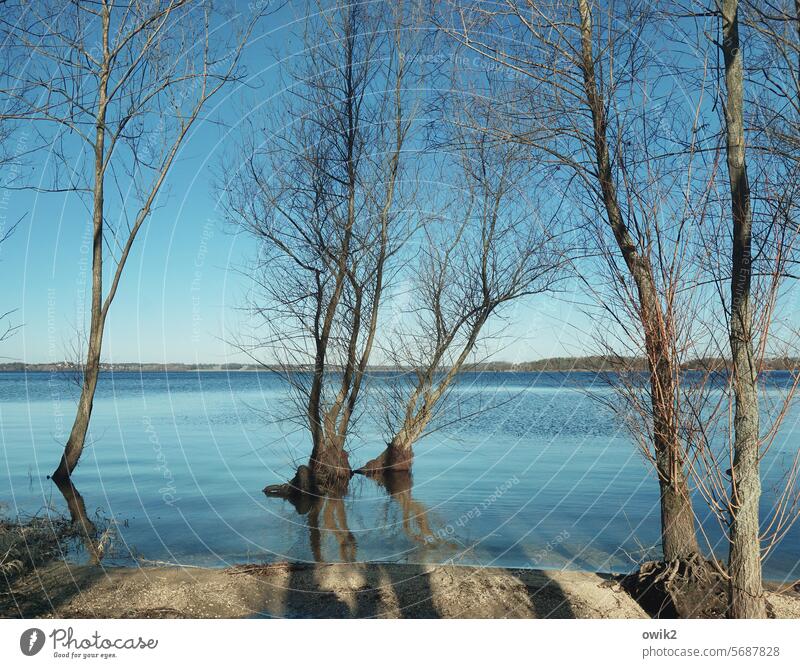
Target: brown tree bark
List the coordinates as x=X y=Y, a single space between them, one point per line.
x=398 y=457
x=114 y=85
x=77 y=437
x=91 y=371
x=678 y=536
x=746 y=594
x=329 y=465
x=336 y=227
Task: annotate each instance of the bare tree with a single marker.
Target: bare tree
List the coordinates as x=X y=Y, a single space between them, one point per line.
x=751 y=253
x=574 y=100
x=115 y=88
x=493 y=248
x=774 y=72
x=323 y=191
x=12 y=150
x=570 y=92
x=746 y=598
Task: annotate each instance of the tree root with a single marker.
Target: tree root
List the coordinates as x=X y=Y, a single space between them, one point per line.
x=302 y=483
x=681 y=588
x=306 y=486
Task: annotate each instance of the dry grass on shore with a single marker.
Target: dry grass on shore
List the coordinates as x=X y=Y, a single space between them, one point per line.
x=29 y=544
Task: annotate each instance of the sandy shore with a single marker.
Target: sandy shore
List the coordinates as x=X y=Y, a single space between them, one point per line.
x=326 y=591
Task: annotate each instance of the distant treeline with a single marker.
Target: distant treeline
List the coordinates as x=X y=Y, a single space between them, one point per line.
x=564 y=364
x=613 y=363
x=129 y=366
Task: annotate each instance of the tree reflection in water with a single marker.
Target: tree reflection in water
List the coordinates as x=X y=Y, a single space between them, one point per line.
x=414 y=514
x=327 y=516
x=92 y=539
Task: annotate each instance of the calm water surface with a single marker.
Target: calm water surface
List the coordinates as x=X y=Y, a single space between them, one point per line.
x=178 y=461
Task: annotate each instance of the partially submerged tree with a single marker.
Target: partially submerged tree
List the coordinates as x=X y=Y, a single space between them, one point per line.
x=493 y=247
x=322 y=191
x=115 y=90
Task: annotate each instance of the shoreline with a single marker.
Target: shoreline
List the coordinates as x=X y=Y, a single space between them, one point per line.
x=60 y=589
x=579 y=364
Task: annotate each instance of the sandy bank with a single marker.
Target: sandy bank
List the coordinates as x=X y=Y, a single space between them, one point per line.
x=325 y=590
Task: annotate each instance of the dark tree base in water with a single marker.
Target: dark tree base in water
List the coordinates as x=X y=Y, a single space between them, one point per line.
x=391 y=460
x=679 y=589
x=302 y=483
x=333 y=482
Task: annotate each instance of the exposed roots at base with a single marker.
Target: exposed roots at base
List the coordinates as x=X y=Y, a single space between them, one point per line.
x=307 y=484
x=681 y=588
x=302 y=483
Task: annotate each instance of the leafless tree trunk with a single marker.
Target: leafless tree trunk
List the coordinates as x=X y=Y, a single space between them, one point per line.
x=748 y=255
x=552 y=54
x=322 y=193
x=121 y=86
x=678 y=536
x=753 y=250
x=491 y=248
x=746 y=588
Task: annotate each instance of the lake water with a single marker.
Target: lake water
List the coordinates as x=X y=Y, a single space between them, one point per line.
x=546 y=479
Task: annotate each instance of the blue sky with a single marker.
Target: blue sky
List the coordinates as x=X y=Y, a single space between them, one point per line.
x=181 y=295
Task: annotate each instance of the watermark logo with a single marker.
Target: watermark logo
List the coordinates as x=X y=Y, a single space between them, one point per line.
x=31 y=641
